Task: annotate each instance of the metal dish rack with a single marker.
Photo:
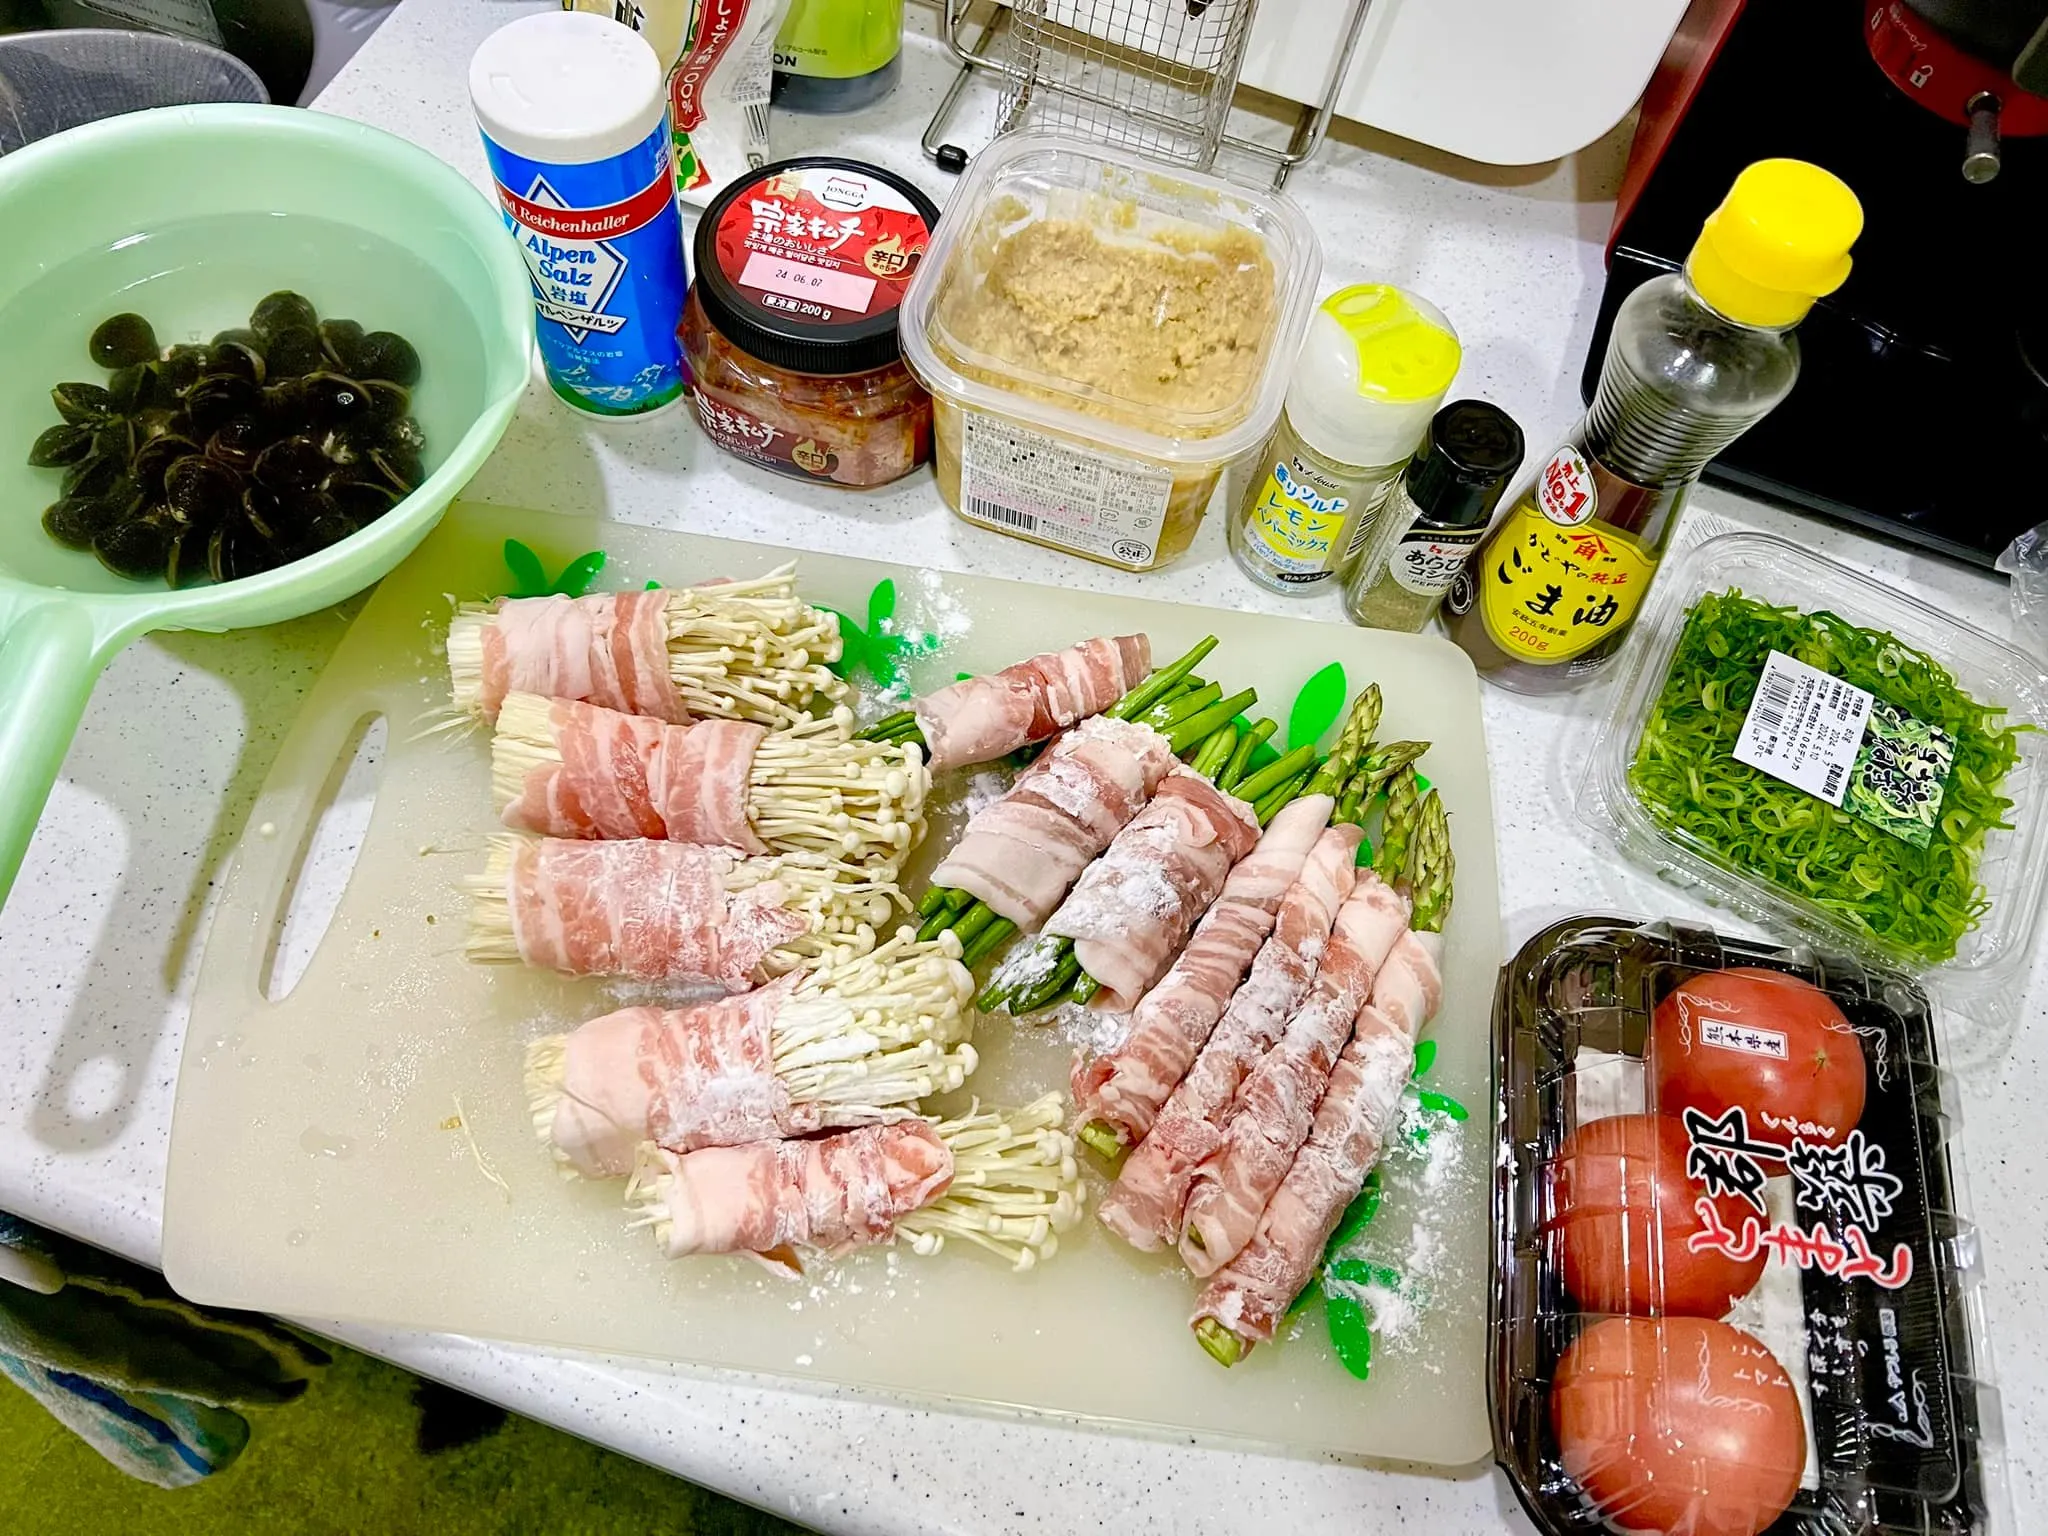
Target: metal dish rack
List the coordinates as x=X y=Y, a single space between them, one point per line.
x=1154 y=76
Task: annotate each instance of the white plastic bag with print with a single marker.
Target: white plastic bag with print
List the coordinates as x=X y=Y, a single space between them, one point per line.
x=720 y=55
x=2026 y=561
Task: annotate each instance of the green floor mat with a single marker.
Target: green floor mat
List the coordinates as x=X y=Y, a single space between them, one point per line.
x=343 y=1460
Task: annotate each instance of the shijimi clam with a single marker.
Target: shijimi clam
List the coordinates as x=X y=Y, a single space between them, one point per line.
x=235 y=456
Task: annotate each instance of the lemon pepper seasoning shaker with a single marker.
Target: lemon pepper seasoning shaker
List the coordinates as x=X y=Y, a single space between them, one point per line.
x=1374 y=365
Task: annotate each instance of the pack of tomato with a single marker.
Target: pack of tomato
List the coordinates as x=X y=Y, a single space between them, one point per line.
x=1733 y=1292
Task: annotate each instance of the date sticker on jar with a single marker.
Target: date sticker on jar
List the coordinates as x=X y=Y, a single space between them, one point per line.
x=1099 y=504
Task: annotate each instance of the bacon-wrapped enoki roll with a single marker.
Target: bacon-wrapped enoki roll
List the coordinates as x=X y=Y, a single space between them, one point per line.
x=1134 y=907
x=853 y=1041
x=1008 y=1182
x=1277 y=1102
x=565 y=769
x=1244 y=1302
x=980 y=719
x=1145 y=1204
x=1124 y=1089
x=1021 y=853
x=674 y=912
x=741 y=650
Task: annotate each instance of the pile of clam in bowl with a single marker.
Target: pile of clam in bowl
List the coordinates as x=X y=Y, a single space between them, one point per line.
x=226 y=458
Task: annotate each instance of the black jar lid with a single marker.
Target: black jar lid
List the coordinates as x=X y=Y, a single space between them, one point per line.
x=803 y=263
x=1457 y=478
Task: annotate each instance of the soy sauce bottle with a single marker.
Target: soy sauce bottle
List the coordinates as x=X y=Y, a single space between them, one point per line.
x=1695 y=359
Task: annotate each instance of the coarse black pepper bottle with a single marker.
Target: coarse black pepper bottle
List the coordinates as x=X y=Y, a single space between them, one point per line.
x=1436 y=516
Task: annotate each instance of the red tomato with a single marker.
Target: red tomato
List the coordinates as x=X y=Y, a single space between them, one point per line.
x=1622 y=1209
x=1770 y=1043
x=1679 y=1424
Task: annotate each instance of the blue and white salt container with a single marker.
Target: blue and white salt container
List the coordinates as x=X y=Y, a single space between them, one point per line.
x=574 y=112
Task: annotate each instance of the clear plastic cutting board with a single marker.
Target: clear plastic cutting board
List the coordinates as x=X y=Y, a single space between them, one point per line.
x=314 y=1171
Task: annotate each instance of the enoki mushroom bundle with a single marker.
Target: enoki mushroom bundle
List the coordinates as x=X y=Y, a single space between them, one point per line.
x=742 y=650
x=670 y=912
x=565 y=769
x=851 y=1041
x=1006 y=1181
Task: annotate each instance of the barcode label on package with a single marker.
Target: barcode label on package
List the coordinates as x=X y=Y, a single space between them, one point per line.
x=1097 y=503
x=1805 y=727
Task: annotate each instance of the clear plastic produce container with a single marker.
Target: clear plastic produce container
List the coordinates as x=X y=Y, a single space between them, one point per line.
x=1736 y=1288
x=1102 y=337
x=1865 y=816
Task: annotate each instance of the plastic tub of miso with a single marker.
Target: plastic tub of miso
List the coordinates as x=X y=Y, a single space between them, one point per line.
x=1102 y=338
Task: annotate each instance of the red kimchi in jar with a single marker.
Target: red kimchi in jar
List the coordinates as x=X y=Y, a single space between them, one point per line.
x=789 y=336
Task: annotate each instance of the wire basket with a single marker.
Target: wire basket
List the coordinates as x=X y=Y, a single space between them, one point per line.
x=1154 y=76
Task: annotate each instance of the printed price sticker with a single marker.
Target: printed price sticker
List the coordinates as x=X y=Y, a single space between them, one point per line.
x=1804 y=727
x=1022 y=481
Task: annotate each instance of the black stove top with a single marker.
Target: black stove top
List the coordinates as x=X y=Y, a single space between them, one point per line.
x=1921 y=411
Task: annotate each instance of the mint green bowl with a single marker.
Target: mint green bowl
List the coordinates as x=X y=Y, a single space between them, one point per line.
x=189 y=215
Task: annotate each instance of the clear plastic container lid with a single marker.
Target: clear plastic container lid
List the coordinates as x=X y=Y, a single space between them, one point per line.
x=1824 y=754
x=1736 y=1285
x=1078 y=288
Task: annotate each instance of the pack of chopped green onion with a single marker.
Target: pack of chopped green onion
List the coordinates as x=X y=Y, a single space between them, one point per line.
x=1830 y=756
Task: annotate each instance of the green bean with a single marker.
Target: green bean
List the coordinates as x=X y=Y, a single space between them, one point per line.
x=1214 y=752
x=1164 y=715
x=1255 y=787
x=934 y=901
x=986 y=941
x=1193 y=728
x=1048 y=988
x=1241 y=759
x=880 y=729
x=1149 y=692
x=978 y=917
x=1269 y=807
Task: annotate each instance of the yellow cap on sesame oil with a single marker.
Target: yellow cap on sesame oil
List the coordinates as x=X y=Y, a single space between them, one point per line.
x=1779 y=240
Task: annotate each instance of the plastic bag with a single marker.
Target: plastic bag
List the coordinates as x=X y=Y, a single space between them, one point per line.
x=720 y=55
x=2026 y=561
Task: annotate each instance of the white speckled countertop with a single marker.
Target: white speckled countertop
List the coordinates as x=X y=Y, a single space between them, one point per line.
x=101 y=937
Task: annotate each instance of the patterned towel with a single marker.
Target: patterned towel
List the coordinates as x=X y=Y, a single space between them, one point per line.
x=147 y=1379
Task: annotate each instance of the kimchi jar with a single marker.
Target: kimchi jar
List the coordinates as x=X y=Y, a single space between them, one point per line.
x=789 y=336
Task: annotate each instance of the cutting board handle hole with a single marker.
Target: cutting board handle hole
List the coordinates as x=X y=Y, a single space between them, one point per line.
x=326 y=858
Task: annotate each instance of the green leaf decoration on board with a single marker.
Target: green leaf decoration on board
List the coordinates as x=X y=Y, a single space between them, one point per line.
x=1356 y=1215
x=1442 y=1104
x=1350 y=1334
x=878 y=648
x=1350 y=1329
x=530 y=577
x=1309 y=1293
x=579 y=573
x=1316 y=707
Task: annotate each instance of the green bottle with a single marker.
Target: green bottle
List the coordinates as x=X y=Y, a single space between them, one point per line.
x=838 y=55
